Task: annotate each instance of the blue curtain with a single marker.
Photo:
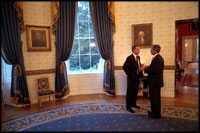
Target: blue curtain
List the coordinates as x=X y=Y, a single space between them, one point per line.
x=64 y=42
x=11 y=51
x=104 y=36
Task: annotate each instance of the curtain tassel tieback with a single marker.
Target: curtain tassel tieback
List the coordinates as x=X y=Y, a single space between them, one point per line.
x=108 y=64
x=62 y=67
x=18 y=70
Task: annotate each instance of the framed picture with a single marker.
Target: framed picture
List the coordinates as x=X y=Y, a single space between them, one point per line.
x=38 y=38
x=142 y=35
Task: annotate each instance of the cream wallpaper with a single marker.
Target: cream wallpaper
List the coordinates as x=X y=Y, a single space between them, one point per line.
x=38 y=14
x=162 y=15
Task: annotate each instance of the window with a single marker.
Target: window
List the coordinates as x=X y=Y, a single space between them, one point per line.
x=85 y=57
x=6 y=71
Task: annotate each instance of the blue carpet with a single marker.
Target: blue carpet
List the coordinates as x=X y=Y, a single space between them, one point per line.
x=105 y=117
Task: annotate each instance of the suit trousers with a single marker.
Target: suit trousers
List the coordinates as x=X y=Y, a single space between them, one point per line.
x=155 y=100
x=132 y=91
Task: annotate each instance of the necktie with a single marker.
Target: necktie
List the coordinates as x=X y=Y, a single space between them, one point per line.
x=137 y=60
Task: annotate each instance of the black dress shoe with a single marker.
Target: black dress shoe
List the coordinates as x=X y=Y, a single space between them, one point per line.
x=149 y=113
x=153 y=116
x=130 y=110
x=135 y=106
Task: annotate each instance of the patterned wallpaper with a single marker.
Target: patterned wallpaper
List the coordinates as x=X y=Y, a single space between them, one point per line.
x=162 y=15
x=39 y=14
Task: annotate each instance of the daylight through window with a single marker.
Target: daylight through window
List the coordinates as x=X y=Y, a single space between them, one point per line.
x=85 y=57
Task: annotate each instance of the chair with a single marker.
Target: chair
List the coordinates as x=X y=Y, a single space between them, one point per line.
x=43 y=89
x=145 y=88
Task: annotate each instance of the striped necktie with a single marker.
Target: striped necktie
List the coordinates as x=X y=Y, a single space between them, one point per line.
x=137 y=60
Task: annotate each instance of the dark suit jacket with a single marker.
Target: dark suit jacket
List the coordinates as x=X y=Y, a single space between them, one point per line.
x=130 y=67
x=155 y=72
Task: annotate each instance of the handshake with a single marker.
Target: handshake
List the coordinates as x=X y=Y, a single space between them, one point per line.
x=142 y=68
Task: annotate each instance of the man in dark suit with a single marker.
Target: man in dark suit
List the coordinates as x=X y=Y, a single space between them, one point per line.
x=155 y=81
x=130 y=67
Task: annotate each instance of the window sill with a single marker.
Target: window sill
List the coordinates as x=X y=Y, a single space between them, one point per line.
x=85 y=74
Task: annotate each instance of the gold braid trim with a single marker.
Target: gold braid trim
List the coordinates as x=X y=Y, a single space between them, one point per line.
x=60 y=93
x=107 y=85
x=55 y=13
x=112 y=90
x=67 y=93
x=15 y=100
x=18 y=70
x=111 y=12
x=19 y=8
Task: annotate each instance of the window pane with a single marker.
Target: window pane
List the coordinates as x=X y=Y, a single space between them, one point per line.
x=84 y=46
x=85 y=53
x=95 y=59
x=83 y=10
x=75 y=49
x=76 y=30
x=94 y=48
x=91 y=29
x=83 y=29
x=85 y=62
x=7 y=70
x=74 y=63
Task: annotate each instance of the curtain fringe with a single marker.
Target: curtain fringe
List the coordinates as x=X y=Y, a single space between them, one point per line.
x=15 y=100
x=111 y=90
x=67 y=92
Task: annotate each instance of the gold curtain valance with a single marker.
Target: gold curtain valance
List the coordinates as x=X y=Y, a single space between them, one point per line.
x=19 y=8
x=111 y=14
x=55 y=15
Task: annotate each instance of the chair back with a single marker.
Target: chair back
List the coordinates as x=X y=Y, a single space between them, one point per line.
x=42 y=84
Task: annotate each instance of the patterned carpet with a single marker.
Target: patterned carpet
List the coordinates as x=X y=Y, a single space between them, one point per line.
x=105 y=117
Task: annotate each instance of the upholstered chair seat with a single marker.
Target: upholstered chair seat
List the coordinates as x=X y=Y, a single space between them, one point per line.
x=42 y=93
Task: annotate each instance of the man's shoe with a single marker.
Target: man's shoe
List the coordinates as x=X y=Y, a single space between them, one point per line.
x=135 y=106
x=153 y=116
x=149 y=113
x=130 y=110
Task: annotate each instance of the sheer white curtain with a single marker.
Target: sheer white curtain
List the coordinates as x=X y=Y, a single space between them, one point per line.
x=6 y=82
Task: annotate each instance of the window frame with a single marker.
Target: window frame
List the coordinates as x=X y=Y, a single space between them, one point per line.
x=79 y=37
